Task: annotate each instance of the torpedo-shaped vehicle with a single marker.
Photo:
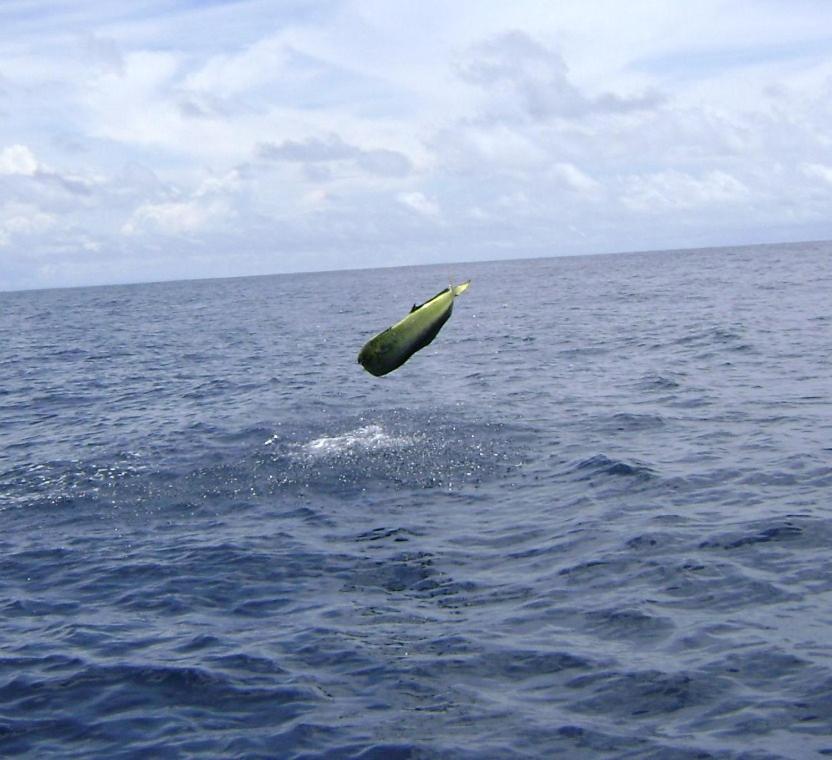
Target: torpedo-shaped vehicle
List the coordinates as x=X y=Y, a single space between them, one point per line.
x=394 y=346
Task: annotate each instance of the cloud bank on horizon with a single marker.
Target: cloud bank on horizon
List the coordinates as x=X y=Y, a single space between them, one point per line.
x=166 y=139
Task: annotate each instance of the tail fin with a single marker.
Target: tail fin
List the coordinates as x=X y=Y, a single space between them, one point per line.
x=459 y=289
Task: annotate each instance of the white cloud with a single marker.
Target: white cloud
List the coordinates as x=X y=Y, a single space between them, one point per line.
x=818 y=171
x=229 y=74
x=132 y=106
x=577 y=180
x=176 y=217
x=420 y=203
x=22 y=220
x=674 y=190
x=17 y=159
x=230 y=182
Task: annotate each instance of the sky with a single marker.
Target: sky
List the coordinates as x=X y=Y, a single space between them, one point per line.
x=169 y=139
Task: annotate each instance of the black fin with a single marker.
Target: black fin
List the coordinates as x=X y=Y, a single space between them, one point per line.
x=428 y=301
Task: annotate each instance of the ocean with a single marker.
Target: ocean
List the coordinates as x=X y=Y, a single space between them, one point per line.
x=592 y=519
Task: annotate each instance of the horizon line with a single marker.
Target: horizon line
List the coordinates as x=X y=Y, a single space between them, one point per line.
x=686 y=249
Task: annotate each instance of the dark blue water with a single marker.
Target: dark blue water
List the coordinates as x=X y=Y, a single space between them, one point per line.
x=592 y=519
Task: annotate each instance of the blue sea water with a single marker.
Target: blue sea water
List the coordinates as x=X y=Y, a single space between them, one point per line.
x=592 y=519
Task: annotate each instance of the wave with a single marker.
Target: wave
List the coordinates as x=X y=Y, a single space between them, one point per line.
x=602 y=464
x=630 y=421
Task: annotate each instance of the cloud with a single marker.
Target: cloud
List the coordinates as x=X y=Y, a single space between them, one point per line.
x=105 y=53
x=29 y=180
x=22 y=220
x=231 y=74
x=312 y=150
x=822 y=172
x=132 y=106
x=419 y=203
x=527 y=80
x=174 y=217
x=674 y=190
x=18 y=159
x=384 y=163
x=209 y=206
x=577 y=180
x=332 y=149
x=177 y=217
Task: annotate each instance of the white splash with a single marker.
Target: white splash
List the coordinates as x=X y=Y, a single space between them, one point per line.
x=366 y=438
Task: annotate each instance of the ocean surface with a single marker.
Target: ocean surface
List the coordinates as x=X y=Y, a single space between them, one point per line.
x=592 y=519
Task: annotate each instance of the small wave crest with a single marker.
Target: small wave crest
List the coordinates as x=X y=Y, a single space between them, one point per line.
x=602 y=464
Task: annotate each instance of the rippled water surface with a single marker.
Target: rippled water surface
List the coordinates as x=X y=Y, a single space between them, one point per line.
x=592 y=519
